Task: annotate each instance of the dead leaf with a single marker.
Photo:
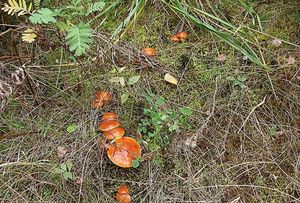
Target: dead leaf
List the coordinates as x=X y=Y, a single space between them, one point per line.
x=29 y=35
x=78 y=180
x=291 y=60
x=61 y=152
x=221 y=58
x=170 y=79
x=276 y=42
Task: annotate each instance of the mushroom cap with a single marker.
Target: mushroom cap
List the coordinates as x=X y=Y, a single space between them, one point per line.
x=109 y=116
x=102 y=95
x=175 y=38
x=182 y=35
x=108 y=125
x=114 y=133
x=149 y=51
x=123 y=198
x=123 y=190
x=123 y=151
x=98 y=104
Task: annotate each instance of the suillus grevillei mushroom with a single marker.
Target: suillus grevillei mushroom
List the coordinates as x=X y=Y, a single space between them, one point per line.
x=114 y=133
x=101 y=97
x=123 y=195
x=122 y=151
x=108 y=125
x=149 y=51
x=180 y=36
x=109 y=116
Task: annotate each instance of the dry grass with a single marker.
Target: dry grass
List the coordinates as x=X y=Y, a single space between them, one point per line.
x=240 y=156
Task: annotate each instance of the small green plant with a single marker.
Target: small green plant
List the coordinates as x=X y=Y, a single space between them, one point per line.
x=136 y=163
x=65 y=170
x=239 y=80
x=159 y=123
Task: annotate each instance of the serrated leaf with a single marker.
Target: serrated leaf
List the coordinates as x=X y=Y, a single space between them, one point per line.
x=43 y=16
x=29 y=35
x=13 y=7
x=133 y=80
x=124 y=98
x=186 y=111
x=95 y=7
x=79 y=38
x=170 y=79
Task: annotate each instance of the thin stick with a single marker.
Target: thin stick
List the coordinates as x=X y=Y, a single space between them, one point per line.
x=251 y=112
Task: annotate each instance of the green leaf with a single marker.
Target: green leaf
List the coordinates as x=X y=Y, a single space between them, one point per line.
x=95 y=7
x=69 y=165
x=186 y=111
x=43 y=16
x=124 y=98
x=79 y=38
x=72 y=128
x=135 y=163
x=160 y=101
x=63 y=166
x=68 y=175
x=57 y=170
x=133 y=80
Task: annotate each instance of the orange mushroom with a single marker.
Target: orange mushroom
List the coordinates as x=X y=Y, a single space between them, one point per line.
x=175 y=38
x=109 y=116
x=149 y=51
x=182 y=35
x=98 y=104
x=114 y=133
x=108 y=125
x=123 y=151
x=100 y=99
x=105 y=96
x=122 y=195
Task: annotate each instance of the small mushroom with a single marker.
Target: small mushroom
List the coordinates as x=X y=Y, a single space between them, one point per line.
x=102 y=95
x=98 y=104
x=122 y=195
x=109 y=116
x=149 y=51
x=114 y=133
x=123 y=151
x=108 y=125
x=182 y=35
x=175 y=38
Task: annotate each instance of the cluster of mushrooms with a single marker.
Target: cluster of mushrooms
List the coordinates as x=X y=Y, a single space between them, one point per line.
x=121 y=150
x=178 y=37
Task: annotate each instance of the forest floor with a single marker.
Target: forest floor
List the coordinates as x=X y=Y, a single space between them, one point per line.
x=245 y=122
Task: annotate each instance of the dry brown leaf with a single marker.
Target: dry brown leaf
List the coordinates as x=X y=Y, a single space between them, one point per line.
x=78 y=180
x=170 y=79
x=29 y=35
x=61 y=152
x=291 y=60
x=276 y=42
x=221 y=58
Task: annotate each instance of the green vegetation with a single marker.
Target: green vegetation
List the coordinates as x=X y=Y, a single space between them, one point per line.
x=227 y=132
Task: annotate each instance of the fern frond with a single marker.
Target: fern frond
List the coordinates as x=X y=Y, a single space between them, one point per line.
x=95 y=7
x=19 y=8
x=43 y=16
x=79 y=38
